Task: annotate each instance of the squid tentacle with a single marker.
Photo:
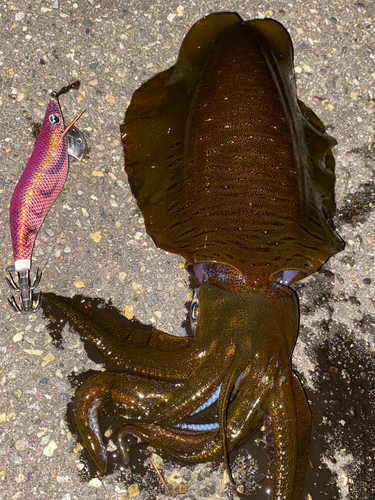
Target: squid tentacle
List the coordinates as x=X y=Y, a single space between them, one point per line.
x=185 y=444
x=195 y=390
x=291 y=423
x=138 y=351
x=119 y=396
x=226 y=390
x=87 y=402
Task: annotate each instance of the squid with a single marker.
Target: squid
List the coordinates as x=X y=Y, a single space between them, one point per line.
x=235 y=174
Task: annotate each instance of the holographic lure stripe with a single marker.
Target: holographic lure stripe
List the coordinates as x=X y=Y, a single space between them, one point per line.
x=40 y=183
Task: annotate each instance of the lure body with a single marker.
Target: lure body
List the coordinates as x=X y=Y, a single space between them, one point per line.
x=36 y=191
x=39 y=185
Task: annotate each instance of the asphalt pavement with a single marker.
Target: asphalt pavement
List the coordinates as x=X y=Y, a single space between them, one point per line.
x=93 y=241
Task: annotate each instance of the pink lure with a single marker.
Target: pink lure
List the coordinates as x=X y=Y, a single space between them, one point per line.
x=36 y=191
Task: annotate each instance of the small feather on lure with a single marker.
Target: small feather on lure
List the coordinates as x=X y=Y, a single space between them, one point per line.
x=36 y=191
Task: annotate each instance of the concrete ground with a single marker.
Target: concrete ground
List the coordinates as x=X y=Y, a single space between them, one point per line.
x=94 y=242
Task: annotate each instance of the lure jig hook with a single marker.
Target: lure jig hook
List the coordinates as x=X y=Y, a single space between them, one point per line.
x=29 y=302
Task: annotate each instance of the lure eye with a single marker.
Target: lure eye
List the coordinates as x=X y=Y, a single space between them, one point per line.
x=194 y=311
x=54 y=119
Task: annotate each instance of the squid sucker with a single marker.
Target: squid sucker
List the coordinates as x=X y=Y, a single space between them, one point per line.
x=37 y=189
x=236 y=175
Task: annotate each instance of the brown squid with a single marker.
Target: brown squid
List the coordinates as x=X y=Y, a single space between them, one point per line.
x=233 y=173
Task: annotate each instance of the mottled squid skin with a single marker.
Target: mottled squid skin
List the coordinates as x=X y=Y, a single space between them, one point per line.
x=233 y=173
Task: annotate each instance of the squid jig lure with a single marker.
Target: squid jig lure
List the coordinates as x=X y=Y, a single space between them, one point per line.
x=35 y=193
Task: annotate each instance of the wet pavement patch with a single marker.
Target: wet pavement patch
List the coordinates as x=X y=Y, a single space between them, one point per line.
x=343 y=412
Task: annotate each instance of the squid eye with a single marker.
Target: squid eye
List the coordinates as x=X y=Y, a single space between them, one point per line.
x=194 y=311
x=54 y=119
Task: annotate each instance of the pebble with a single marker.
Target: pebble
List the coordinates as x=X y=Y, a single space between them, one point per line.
x=73 y=343
x=137 y=287
x=20 y=478
x=175 y=478
x=50 y=449
x=21 y=444
x=96 y=236
x=108 y=483
x=225 y=480
x=62 y=479
x=97 y=173
x=110 y=98
x=14 y=458
x=186 y=474
x=133 y=490
x=122 y=277
x=158 y=461
x=145 y=495
x=121 y=72
x=111 y=446
x=180 y=489
x=128 y=312
x=95 y=483
x=39 y=328
x=33 y=352
x=44 y=438
x=47 y=359
x=18 y=336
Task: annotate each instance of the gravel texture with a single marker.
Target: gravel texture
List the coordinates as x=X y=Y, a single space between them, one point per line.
x=94 y=242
